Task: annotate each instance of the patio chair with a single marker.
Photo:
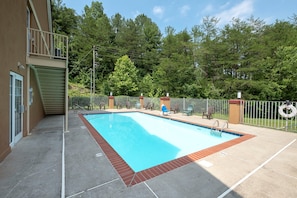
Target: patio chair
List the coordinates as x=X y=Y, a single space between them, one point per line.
x=209 y=113
x=189 y=110
x=118 y=105
x=146 y=106
x=128 y=105
x=152 y=106
x=102 y=106
x=175 y=108
x=149 y=106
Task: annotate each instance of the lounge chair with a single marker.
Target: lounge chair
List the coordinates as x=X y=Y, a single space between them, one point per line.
x=209 y=113
x=189 y=110
x=164 y=110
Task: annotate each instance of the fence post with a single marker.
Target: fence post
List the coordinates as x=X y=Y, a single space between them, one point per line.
x=236 y=111
x=110 y=102
x=141 y=102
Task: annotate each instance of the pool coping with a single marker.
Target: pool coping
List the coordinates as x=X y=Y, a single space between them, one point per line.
x=131 y=178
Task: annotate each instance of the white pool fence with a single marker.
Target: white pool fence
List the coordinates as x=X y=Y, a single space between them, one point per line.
x=255 y=113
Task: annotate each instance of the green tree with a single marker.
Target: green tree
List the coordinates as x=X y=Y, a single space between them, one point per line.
x=285 y=72
x=124 y=79
x=208 y=48
x=64 y=19
x=176 y=67
x=147 y=87
x=117 y=25
x=149 y=45
x=277 y=63
x=238 y=55
x=207 y=62
x=93 y=30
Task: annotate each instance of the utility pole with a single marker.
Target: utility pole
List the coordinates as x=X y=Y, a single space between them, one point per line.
x=91 y=88
x=95 y=54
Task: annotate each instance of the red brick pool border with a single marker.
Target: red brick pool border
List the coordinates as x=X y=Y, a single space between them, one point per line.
x=131 y=178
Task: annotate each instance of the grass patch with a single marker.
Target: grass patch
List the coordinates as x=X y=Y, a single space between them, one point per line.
x=273 y=123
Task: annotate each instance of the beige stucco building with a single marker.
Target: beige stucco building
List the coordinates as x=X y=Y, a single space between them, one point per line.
x=33 y=69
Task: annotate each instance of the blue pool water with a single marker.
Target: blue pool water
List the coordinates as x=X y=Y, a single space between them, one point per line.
x=144 y=141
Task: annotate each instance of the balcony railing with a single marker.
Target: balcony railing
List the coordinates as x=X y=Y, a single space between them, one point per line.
x=47 y=44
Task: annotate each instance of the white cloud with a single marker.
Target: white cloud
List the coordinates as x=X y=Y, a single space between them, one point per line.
x=241 y=10
x=207 y=9
x=225 y=5
x=158 y=11
x=184 y=10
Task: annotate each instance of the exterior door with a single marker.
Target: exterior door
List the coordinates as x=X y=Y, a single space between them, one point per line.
x=16 y=108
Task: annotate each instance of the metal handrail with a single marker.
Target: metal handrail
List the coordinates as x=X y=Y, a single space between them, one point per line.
x=226 y=123
x=214 y=130
x=218 y=124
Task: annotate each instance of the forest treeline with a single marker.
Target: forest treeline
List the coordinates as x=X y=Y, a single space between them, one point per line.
x=132 y=56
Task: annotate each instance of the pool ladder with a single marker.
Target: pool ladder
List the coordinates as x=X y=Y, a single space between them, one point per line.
x=218 y=132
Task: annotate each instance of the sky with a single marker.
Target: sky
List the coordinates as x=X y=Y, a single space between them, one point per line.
x=185 y=14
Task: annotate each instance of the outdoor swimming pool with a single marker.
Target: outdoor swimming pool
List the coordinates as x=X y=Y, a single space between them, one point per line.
x=145 y=141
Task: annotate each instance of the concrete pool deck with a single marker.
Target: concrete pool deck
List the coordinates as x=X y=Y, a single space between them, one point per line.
x=263 y=166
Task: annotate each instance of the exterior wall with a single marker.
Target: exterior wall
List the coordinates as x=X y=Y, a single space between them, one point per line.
x=13 y=35
x=41 y=11
x=13 y=46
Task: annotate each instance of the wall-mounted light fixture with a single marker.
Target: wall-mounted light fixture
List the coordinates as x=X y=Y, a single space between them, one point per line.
x=20 y=66
x=31 y=96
